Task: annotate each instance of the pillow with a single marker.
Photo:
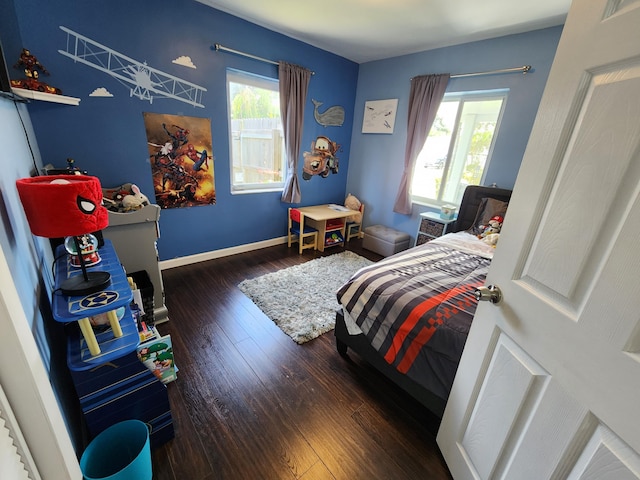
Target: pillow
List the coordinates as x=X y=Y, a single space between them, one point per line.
x=488 y=208
x=352 y=203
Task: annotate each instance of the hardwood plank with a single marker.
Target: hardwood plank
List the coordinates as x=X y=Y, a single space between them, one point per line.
x=251 y=403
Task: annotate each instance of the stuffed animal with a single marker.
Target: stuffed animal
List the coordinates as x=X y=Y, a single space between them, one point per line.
x=491 y=239
x=493 y=227
x=135 y=200
x=352 y=203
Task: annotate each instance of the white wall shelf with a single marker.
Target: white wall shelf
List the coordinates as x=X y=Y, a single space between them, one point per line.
x=46 y=97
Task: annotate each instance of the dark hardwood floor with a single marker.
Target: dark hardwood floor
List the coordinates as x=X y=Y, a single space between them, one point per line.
x=250 y=403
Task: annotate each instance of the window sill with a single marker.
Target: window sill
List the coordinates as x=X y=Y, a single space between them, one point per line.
x=254 y=190
x=433 y=205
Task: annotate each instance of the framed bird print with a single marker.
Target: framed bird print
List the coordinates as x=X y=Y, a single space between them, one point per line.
x=379 y=116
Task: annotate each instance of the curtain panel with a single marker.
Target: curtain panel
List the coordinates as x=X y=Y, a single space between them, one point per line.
x=425 y=97
x=294 y=85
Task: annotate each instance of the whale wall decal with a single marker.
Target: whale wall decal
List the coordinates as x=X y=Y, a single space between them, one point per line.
x=331 y=117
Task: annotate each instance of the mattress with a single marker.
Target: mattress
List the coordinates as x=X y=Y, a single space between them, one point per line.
x=416 y=307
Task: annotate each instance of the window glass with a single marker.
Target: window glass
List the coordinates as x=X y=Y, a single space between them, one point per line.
x=257 y=151
x=457 y=150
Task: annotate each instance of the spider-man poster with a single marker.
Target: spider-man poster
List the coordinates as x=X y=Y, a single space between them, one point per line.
x=181 y=157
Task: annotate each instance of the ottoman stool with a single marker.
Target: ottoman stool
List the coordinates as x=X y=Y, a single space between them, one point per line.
x=384 y=240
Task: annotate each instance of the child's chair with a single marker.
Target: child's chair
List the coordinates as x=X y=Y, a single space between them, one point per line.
x=354 y=229
x=298 y=232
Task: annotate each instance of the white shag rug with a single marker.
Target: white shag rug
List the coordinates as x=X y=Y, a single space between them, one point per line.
x=301 y=300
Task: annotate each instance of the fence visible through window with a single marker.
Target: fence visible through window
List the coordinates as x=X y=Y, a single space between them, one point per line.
x=257 y=150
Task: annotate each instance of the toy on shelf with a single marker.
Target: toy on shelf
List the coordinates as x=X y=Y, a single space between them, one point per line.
x=124 y=198
x=71 y=169
x=31 y=66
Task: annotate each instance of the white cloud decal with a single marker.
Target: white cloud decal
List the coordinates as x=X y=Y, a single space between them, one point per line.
x=101 y=92
x=185 y=61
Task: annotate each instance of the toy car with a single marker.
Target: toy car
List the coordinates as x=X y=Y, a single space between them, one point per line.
x=33 y=84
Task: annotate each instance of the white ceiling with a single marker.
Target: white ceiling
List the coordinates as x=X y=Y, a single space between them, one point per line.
x=366 y=30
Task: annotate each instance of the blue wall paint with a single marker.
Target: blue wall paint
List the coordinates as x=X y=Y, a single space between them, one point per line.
x=106 y=136
x=377 y=159
x=30 y=258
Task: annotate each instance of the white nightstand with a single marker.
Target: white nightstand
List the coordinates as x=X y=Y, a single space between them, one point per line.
x=431 y=226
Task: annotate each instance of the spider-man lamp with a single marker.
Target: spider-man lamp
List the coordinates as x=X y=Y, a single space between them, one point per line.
x=67 y=206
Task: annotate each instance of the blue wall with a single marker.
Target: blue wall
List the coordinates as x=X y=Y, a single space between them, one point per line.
x=106 y=136
x=29 y=259
x=377 y=159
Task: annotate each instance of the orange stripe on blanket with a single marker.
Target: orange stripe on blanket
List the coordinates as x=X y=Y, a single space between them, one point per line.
x=414 y=349
x=425 y=334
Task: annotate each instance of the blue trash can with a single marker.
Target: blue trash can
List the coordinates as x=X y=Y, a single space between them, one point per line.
x=121 y=452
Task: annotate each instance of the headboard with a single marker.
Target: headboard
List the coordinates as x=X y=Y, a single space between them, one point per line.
x=471 y=198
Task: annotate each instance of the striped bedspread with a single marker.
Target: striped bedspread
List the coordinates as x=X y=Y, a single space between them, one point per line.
x=416 y=308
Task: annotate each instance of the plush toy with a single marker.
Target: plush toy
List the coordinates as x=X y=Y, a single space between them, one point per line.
x=491 y=239
x=135 y=200
x=124 y=198
x=493 y=227
x=352 y=203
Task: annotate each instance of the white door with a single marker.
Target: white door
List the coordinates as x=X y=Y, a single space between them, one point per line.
x=549 y=382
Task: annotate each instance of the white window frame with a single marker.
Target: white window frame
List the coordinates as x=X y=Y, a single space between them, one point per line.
x=463 y=97
x=238 y=76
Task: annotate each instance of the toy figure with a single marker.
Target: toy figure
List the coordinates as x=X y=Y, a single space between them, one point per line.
x=199 y=158
x=30 y=64
x=180 y=137
x=493 y=227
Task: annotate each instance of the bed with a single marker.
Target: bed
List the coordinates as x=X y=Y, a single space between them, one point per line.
x=409 y=314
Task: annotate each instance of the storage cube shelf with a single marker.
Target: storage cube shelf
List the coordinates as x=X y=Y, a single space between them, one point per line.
x=334 y=224
x=333 y=238
x=432 y=225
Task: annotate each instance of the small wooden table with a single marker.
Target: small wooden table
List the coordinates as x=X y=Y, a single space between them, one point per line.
x=329 y=220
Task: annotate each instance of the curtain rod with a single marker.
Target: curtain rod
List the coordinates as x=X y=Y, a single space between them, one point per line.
x=218 y=47
x=524 y=69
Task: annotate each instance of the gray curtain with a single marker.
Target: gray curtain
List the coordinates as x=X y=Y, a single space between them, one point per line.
x=424 y=100
x=294 y=84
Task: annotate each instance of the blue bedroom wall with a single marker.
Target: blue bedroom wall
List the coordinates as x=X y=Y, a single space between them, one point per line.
x=377 y=160
x=29 y=259
x=106 y=136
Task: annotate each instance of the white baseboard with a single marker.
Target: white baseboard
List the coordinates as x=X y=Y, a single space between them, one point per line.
x=201 y=257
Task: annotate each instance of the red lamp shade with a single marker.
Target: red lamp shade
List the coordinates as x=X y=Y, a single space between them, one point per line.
x=63 y=205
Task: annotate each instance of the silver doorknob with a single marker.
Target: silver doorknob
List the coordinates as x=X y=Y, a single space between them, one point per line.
x=488 y=294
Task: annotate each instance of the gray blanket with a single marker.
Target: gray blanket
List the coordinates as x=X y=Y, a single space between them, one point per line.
x=416 y=309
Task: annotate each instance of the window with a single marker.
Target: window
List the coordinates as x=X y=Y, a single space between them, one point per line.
x=458 y=148
x=257 y=152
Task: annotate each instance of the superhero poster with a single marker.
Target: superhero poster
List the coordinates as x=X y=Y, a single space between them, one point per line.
x=181 y=158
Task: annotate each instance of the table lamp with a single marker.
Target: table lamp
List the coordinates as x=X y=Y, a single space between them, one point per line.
x=67 y=206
